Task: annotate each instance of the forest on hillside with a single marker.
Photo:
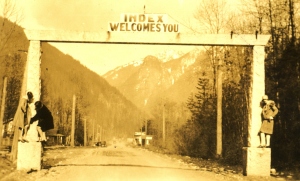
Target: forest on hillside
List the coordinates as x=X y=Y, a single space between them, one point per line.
x=101 y=105
x=13 y=56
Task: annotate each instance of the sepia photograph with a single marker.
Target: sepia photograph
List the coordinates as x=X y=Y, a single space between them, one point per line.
x=126 y=90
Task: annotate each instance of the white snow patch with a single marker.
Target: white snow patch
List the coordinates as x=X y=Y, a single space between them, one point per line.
x=115 y=77
x=134 y=63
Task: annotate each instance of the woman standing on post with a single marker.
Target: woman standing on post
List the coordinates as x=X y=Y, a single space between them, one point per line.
x=269 y=111
x=23 y=120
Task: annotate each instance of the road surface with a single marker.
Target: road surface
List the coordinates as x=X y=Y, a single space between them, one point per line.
x=115 y=163
x=126 y=163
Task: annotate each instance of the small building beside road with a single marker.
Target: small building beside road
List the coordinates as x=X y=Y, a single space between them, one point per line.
x=142 y=139
x=55 y=138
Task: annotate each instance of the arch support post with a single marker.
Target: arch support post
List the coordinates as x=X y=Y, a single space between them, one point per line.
x=29 y=154
x=257 y=161
x=33 y=69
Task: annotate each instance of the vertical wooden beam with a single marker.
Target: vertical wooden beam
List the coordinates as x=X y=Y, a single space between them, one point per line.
x=97 y=133
x=146 y=126
x=85 y=140
x=257 y=90
x=31 y=81
x=93 y=131
x=73 y=122
x=34 y=69
x=29 y=155
x=2 y=108
x=101 y=133
x=256 y=161
x=164 y=126
x=219 y=110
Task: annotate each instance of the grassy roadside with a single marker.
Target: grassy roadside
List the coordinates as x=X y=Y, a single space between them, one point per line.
x=220 y=167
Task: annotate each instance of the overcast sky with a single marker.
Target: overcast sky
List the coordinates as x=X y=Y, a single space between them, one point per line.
x=95 y=15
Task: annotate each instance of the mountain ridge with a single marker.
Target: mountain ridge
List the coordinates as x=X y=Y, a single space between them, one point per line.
x=154 y=77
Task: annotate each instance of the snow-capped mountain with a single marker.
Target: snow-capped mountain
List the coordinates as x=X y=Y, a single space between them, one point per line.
x=144 y=82
x=168 y=55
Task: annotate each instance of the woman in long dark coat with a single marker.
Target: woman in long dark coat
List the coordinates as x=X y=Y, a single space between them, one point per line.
x=44 y=116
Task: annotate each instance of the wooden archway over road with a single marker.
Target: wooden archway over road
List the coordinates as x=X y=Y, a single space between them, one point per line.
x=258 y=42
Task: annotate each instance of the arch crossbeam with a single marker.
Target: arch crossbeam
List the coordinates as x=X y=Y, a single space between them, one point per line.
x=148 y=38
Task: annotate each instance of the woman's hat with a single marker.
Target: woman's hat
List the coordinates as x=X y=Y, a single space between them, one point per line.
x=29 y=95
x=265 y=97
x=38 y=105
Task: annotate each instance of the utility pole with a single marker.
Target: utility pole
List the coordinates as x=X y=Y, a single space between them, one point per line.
x=73 y=122
x=164 y=127
x=103 y=131
x=100 y=133
x=219 y=109
x=93 y=131
x=146 y=126
x=2 y=108
x=97 y=133
x=84 y=144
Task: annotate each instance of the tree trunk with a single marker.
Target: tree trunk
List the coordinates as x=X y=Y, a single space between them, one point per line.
x=73 y=122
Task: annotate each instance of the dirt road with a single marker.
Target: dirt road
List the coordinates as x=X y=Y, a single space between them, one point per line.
x=114 y=164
